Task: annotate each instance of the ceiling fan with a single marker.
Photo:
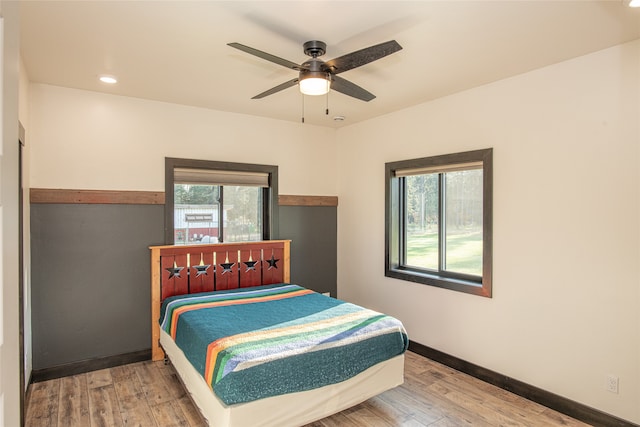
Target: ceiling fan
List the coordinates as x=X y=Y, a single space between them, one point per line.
x=317 y=77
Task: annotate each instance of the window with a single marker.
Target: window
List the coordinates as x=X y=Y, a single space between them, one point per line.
x=438 y=227
x=208 y=202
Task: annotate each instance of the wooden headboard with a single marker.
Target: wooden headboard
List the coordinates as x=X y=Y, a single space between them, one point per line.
x=179 y=270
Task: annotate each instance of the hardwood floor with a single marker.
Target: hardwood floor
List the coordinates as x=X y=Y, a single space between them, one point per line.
x=149 y=394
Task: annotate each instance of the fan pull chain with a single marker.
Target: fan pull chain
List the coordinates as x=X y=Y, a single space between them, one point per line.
x=302 y=108
x=327 y=106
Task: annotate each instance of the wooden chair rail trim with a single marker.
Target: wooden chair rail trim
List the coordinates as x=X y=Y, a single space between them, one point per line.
x=286 y=200
x=50 y=195
x=70 y=196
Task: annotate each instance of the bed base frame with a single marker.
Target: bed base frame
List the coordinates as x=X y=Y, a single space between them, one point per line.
x=177 y=270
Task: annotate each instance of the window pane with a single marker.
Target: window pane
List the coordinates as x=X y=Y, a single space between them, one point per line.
x=463 y=225
x=196 y=210
x=242 y=213
x=438 y=221
x=422 y=221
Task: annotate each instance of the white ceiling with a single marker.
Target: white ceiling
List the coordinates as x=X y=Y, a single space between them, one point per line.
x=176 y=51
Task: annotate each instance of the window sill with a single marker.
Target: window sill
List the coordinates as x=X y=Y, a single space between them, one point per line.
x=455 y=284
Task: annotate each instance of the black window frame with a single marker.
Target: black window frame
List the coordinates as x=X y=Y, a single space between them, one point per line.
x=395 y=248
x=269 y=194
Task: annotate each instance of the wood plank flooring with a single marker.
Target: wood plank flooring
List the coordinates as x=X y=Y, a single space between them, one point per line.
x=149 y=394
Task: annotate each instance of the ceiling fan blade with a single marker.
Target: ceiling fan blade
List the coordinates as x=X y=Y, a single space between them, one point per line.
x=361 y=57
x=277 y=88
x=267 y=56
x=345 y=86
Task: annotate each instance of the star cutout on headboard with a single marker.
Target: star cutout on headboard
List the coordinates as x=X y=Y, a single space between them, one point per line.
x=227 y=267
x=273 y=262
x=201 y=269
x=174 y=271
x=251 y=265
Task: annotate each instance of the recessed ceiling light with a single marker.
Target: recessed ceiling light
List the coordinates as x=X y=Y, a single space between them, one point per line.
x=108 y=79
x=338 y=118
x=634 y=3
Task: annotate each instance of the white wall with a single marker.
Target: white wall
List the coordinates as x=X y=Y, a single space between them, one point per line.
x=88 y=140
x=9 y=327
x=23 y=115
x=565 y=311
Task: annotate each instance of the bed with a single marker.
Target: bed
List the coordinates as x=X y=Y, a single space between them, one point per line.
x=253 y=349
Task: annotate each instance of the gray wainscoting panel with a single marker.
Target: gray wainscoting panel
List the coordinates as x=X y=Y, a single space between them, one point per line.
x=313 y=233
x=91 y=280
x=90 y=284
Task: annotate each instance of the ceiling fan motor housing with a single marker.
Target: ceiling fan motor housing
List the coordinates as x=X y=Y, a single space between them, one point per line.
x=314 y=68
x=314 y=48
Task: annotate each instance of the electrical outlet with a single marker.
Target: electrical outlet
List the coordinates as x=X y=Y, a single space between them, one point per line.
x=612 y=383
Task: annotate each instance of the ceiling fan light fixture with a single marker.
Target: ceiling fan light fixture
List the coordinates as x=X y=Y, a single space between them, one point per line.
x=634 y=3
x=312 y=85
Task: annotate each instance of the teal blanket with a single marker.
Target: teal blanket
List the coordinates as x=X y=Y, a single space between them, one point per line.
x=270 y=340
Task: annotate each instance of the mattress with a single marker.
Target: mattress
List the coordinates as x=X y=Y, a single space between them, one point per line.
x=288 y=410
x=255 y=343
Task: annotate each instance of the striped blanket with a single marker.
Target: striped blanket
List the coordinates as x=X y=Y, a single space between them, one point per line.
x=258 y=342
